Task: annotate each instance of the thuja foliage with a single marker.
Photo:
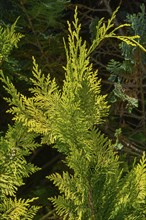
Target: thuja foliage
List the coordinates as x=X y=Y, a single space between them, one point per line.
x=95 y=187
x=8 y=40
x=15 y=145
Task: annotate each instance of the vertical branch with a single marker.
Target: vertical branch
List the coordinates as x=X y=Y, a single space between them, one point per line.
x=90 y=201
x=142 y=98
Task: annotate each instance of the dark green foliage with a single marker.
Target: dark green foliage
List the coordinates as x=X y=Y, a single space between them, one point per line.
x=128 y=78
x=43 y=25
x=137 y=22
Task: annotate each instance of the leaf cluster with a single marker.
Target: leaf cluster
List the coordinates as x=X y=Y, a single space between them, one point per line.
x=8 y=40
x=95 y=187
x=14 y=147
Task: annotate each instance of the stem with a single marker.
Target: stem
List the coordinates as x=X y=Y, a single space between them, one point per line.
x=90 y=200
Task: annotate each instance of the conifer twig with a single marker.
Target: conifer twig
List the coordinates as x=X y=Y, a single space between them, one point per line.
x=109 y=10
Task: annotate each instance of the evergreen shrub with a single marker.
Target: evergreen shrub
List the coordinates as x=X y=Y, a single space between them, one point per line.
x=95 y=187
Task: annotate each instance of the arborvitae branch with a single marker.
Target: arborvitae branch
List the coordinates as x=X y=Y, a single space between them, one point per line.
x=96 y=189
